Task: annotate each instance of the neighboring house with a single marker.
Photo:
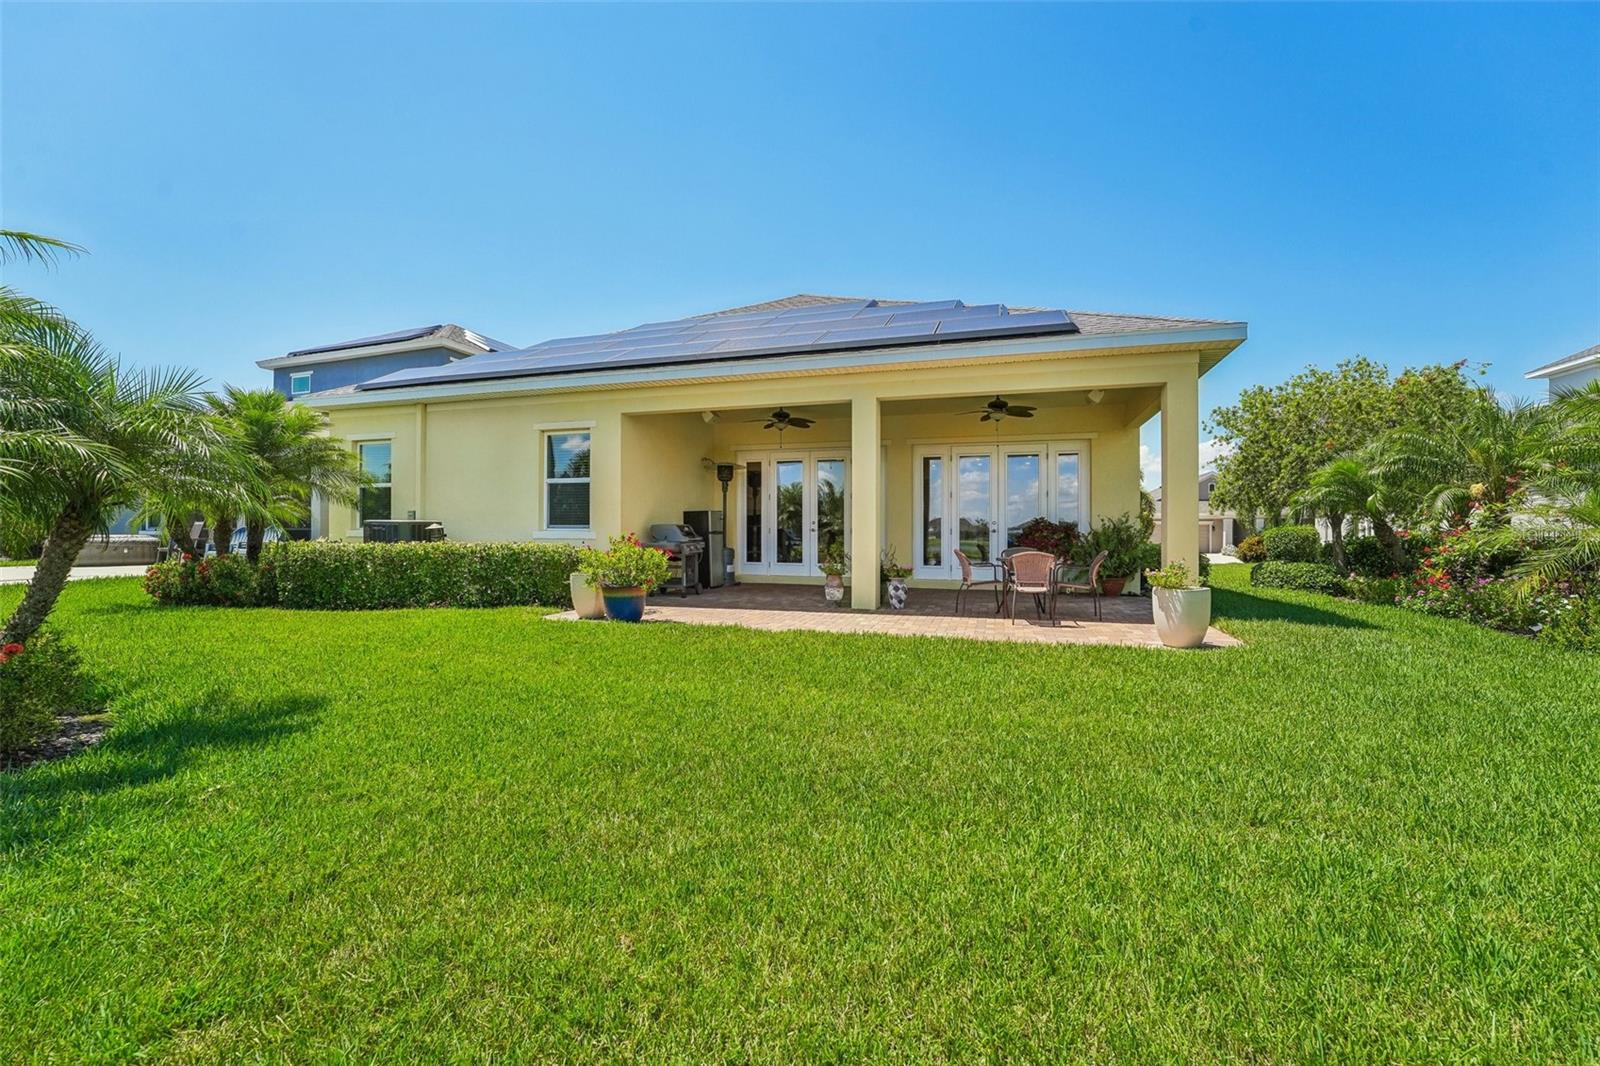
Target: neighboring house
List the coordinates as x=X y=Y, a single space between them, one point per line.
x=1218 y=530
x=580 y=438
x=1572 y=372
x=334 y=366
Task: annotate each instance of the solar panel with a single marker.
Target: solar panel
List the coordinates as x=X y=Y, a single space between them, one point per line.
x=859 y=324
x=367 y=342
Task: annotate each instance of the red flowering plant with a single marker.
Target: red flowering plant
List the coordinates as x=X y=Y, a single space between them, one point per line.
x=10 y=651
x=625 y=564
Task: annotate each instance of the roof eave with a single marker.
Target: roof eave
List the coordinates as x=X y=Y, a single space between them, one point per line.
x=420 y=344
x=1214 y=342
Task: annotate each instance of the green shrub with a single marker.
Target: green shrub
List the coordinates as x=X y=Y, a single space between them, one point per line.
x=1386 y=590
x=1307 y=577
x=331 y=575
x=220 y=581
x=1368 y=557
x=20 y=539
x=37 y=682
x=1252 y=549
x=1574 y=623
x=1292 y=544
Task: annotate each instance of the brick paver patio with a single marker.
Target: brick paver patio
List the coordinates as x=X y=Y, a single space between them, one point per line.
x=929 y=613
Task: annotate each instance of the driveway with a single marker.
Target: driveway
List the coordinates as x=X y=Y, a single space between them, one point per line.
x=21 y=575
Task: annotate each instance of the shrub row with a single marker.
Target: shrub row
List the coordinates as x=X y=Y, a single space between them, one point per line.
x=220 y=581
x=1307 y=577
x=335 y=576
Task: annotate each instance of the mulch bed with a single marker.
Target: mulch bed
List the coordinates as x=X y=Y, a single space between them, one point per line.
x=74 y=733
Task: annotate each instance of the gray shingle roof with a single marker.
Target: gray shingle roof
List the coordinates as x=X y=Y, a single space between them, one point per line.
x=1577 y=358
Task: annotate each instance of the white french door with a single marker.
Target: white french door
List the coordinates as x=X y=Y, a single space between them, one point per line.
x=977 y=497
x=793 y=507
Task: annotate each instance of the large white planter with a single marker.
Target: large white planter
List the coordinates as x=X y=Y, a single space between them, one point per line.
x=586 y=600
x=1182 y=616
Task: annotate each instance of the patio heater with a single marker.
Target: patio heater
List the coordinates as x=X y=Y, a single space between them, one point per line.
x=725 y=475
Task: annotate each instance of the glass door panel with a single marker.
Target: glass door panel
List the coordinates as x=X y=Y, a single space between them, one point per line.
x=830 y=501
x=974 y=493
x=933 y=492
x=1024 y=494
x=789 y=479
x=752 y=531
x=1068 y=492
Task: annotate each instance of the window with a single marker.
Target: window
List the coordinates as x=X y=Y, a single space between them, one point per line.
x=300 y=384
x=933 y=510
x=1024 y=494
x=566 y=480
x=1068 y=496
x=375 y=495
x=752 y=511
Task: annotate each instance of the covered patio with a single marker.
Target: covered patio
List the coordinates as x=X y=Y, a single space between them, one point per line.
x=929 y=612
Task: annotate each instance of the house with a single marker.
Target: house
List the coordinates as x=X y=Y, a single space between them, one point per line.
x=332 y=366
x=1571 y=372
x=1218 y=529
x=916 y=427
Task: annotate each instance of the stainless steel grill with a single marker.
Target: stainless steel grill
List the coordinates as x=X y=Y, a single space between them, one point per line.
x=684 y=547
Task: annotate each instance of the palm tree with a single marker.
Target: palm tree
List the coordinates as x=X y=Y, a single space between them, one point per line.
x=1570 y=542
x=1490 y=460
x=292 y=457
x=1347 y=488
x=125 y=425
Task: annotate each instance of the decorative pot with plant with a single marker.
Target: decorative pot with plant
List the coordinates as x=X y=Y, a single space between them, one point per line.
x=834 y=564
x=894 y=575
x=586 y=600
x=1123 y=542
x=1181 y=606
x=625 y=573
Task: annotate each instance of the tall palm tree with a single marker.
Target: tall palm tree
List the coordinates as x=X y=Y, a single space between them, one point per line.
x=1490 y=459
x=129 y=425
x=292 y=456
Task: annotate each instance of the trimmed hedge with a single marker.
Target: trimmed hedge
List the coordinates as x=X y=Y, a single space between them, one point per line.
x=220 y=581
x=330 y=575
x=1307 y=577
x=1292 y=544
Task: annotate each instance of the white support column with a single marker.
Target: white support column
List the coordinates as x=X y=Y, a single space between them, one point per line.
x=1180 y=471
x=866 y=477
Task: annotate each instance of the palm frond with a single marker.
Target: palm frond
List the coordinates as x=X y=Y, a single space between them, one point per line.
x=21 y=245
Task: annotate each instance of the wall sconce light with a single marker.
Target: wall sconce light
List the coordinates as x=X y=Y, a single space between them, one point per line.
x=1096 y=395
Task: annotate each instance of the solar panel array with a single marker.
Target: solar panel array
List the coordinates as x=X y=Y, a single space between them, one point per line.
x=366 y=342
x=755 y=334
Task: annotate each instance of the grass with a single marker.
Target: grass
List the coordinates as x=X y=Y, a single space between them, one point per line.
x=18 y=562
x=1367 y=835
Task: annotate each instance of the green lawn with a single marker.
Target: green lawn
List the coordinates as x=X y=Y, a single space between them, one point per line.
x=1367 y=835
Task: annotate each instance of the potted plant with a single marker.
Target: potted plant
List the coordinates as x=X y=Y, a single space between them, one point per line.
x=586 y=600
x=625 y=573
x=1123 y=542
x=1181 y=606
x=894 y=576
x=834 y=564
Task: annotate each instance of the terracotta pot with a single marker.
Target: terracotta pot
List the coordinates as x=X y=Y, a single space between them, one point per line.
x=1112 y=586
x=586 y=600
x=1181 y=616
x=624 y=604
x=833 y=588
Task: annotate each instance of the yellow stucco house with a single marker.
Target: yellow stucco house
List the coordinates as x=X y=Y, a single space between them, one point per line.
x=579 y=438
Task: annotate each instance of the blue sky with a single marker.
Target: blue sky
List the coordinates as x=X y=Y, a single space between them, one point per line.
x=1414 y=183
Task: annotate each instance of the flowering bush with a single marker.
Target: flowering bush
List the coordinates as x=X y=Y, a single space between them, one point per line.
x=1570 y=618
x=1041 y=534
x=1462 y=575
x=1252 y=549
x=626 y=564
x=37 y=682
x=220 y=581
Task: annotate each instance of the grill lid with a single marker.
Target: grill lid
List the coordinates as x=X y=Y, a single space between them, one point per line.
x=673 y=533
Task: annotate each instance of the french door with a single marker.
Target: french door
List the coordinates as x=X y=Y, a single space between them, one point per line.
x=794 y=507
x=977 y=497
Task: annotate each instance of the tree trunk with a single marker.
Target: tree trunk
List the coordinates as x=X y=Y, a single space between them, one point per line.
x=254 y=533
x=1336 y=523
x=178 y=532
x=67 y=537
x=222 y=534
x=1386 y=536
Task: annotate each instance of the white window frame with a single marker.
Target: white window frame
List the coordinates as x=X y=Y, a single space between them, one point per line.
x=298 y=376
x=546 y=530
x=356 y=441
x=1048 y=450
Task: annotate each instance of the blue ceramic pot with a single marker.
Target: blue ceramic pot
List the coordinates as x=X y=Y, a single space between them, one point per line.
x=624 y=604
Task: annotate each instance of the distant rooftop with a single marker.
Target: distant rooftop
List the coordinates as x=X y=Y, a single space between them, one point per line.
x=804 y=323
x=447 y=331
x=1569 y=362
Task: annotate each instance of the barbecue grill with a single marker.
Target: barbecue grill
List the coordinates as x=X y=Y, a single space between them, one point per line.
x=683 y=547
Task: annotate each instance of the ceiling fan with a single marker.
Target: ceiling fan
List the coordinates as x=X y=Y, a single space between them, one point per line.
x=997 y=408
x=781 y=420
